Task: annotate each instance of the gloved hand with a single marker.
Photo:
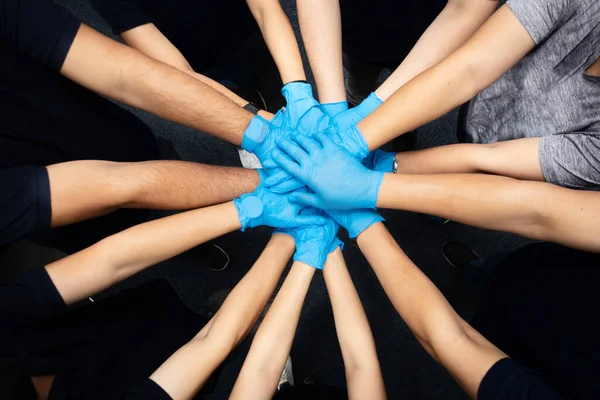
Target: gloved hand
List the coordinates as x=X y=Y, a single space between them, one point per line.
x=263 y=207
x=379 y=160
x=331 y=109
x=355 y=221
x=314 y=243
x=303 y=113
x=337 y=178
x=343 y=121
x=259 y=138
x=352 y=140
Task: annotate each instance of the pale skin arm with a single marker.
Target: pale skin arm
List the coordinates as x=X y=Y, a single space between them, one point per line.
x=121 y=73
x=321 y=27
x=188 y=369
x=363 y=373
x=495 y=48
x=515 y=159
x=536 y=210
x=120 y=256
x=149 y=40
x=279 y=36
x=463 y=351
x=453 y=26
x=271 y=346
x=105 y=186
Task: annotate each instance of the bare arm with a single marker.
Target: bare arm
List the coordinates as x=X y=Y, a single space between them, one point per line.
x=188 y=369
x=463 y=351
x=515 y=159
x=279 y=36
x=119 y=256
x=363 y=373
x=271 y=346
x=495 y=48
x=536 y=210
x=321 y=27
x=124 y=74
x=150 y=41
x=104 y=186
x=454 y=25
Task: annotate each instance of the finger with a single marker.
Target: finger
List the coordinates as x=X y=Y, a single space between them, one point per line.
x=286 y=186
x=276 y=178
x=309 y=220
x=269 y=164
x=308 y=144
x=324 y=140
x=307 y=199
x=296 y=152
x=287 y=163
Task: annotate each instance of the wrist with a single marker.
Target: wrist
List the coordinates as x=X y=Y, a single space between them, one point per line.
x=370 y=104
x=249 y=209
x=255 y=133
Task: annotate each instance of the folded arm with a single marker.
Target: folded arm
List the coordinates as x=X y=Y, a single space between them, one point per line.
x=363 y=373
x=271 y=346
x=495 y=48
x=463 y=351
x=188 y=369
x=279 y=36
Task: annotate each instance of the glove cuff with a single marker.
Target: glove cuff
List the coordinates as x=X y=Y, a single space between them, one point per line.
x=357 y=144
x=255 y=133
x=369 y=104
x=331 y=109
x=296 y=89
x=354 y=231
x=249 y=207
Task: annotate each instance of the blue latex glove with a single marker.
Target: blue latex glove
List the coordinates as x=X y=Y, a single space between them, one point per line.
x=331 y=109
x=302 y=111
x=351 y=140
x=344 y=121
x=355 y=221
x=259 y=138
x=338 y=179
x=263 y=207
x=314 y=243
x=379 y=160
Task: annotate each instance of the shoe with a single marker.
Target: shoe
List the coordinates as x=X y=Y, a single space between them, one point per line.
x=287 y=378
x=359 y=80
x=458 y=254
x=211 y=256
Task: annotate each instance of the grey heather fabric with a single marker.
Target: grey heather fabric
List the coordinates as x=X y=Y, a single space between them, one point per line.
x=548 y=94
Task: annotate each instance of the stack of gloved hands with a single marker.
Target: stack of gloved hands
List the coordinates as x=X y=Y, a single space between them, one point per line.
x=317 y=173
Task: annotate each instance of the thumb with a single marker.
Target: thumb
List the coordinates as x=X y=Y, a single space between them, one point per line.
x=307 y=199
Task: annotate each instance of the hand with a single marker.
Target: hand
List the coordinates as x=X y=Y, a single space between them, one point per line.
x=331 y=109
x=351 y=140
x=259 y=138
x=314 y=243
x=355 y=221
x=345 y=120
x=303 y=112
x=263 y=207
x=337 y=178
x=382 y=161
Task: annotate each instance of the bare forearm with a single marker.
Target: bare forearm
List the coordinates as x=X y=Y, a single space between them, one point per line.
x=495 y=48
x=363 y=373
x=279 y=36
x=124 y=74
x=186 y=371
x=126 y=253
x=321 y=27
x=271 y=346
x=455 y=24
x=536 y=210
x=104 y=186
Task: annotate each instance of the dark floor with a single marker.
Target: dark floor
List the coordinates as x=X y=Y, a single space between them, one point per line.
x=408 y=371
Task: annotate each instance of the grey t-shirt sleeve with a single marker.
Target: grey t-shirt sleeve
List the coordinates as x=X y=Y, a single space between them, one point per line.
x=571 y=160
x=539 y=17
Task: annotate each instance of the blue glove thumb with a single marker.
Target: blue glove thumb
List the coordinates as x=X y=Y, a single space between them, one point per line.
x=249 y=207
x=379 y=160
x=255 y=133
x=355 y=221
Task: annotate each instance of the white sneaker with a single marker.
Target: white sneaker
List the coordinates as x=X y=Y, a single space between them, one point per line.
x=286 y=375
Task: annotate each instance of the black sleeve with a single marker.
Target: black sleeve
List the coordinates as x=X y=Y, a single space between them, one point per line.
x=147 y=390
x=37 y=29
x=25 y=206
x=121 y=15
x=508 y=380
x=26 y=301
